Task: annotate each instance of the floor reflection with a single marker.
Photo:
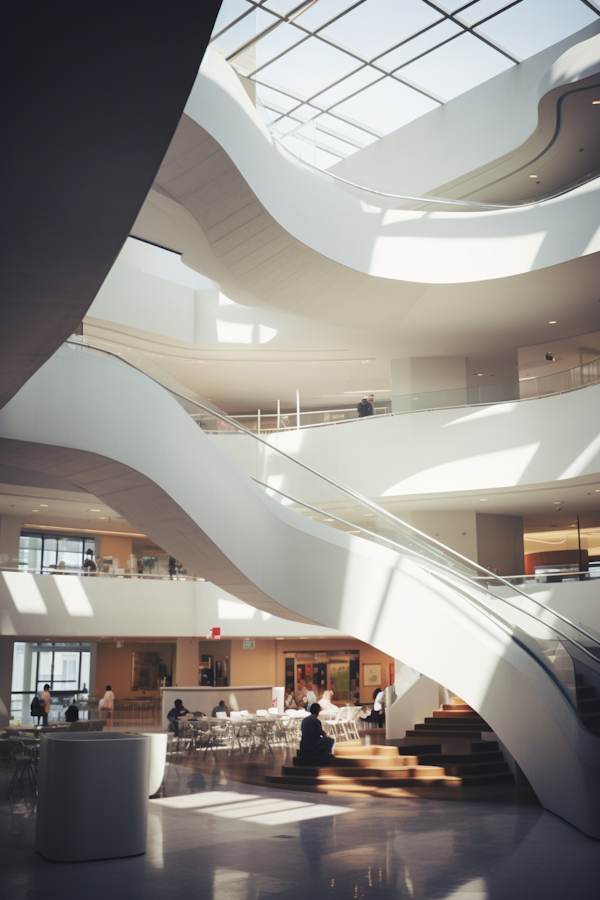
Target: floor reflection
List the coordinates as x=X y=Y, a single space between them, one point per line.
x=226 y=840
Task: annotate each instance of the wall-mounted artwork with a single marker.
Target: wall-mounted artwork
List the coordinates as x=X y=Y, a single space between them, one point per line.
x=144 y=671
x=371 y=675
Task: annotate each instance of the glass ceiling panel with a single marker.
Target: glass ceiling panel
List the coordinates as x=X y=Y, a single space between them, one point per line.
x=345 y=129
x=230 y=10
x=355 y=30
x=323 y=11
x=533 y=25
x=481 y=10
x=310 y=67
x=420 y=44
x=274 y=98
x=350 y=85
x=386 y=106
x=457 y=67
x=281 y=38
x=243 y=31
x=437 y=56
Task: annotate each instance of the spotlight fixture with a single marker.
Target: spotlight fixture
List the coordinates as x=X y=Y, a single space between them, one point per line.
x=549 y=357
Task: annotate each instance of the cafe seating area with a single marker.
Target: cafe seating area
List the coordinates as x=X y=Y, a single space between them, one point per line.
x=20 y=750
x=243 y=731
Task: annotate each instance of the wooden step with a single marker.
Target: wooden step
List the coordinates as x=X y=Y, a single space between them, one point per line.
x=466 y=769
x=365 y=752
x=455 y=713
x=585 y=691
x=459 y=706
x=455 y=722
x=359 y=774
x=371 y=762
x=587 y=705
x=330 y=781
x=443 y=733
x=441 y=759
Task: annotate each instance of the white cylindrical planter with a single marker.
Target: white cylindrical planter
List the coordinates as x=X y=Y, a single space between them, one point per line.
x=158 y=760
x=92 y=795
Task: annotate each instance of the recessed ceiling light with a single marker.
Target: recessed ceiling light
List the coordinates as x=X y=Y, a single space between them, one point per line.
x=479 y=374
x=35 y=510
x=533 y=176
x=102 y=517
x=483 y=499
x=552 y=322
x=43 y=504
x=595 y=102
x=328 y=520
x=597 y=491
x=559 y=502
x=95 y=510
x=368 y=514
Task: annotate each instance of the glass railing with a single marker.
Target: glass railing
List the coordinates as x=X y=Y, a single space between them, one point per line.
x=537 y=628
x=302 y=146
x=109 y=573
x=266 y=422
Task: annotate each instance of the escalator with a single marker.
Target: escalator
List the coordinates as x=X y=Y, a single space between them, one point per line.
x=298 y=544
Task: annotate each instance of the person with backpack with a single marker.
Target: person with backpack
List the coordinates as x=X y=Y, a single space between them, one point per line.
x=37 y=709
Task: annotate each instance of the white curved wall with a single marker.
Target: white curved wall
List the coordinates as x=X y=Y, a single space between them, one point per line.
x=534 y=442
x=68 y=607
x=438 y=247
x=306 y=569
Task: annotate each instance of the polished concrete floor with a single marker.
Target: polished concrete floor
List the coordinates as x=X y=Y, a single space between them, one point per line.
x=217 y=839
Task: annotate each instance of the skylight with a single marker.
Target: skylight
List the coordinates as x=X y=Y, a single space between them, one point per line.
x=332 y=76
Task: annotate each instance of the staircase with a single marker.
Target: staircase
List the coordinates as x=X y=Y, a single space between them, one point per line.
x=588 y=705
x=449 y=756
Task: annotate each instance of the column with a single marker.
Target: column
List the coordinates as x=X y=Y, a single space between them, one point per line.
x=6 y=667
x=10 y=533
x=500 y=543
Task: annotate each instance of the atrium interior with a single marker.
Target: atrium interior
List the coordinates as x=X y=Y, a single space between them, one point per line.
x=299 y=379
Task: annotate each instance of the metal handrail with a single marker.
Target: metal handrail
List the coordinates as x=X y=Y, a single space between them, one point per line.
x=434 y=566
x=469 y=204
x=342 y=487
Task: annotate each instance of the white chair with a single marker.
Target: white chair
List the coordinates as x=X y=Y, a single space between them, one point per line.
x=261 y=712
x=221 y=715
x=273 y=712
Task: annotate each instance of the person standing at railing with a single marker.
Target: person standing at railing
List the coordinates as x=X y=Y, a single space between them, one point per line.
x=89 y=565
x=46 y=698
x=364 y=408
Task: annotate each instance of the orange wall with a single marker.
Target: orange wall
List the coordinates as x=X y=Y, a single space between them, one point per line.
x=111 y=545
x=114 y=666
x=186 y=663
x=253 y=666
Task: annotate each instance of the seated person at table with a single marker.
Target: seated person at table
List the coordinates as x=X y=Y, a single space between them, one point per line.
x=326 y=704
x=174 y=715
x=72 y=713
x=314 y=741
x=290 y=702
x=221 y=708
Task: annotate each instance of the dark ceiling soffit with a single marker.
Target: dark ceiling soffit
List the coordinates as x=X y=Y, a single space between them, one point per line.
x=92 y=95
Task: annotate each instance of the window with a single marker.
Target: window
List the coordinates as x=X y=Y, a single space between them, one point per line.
x=46 y=553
